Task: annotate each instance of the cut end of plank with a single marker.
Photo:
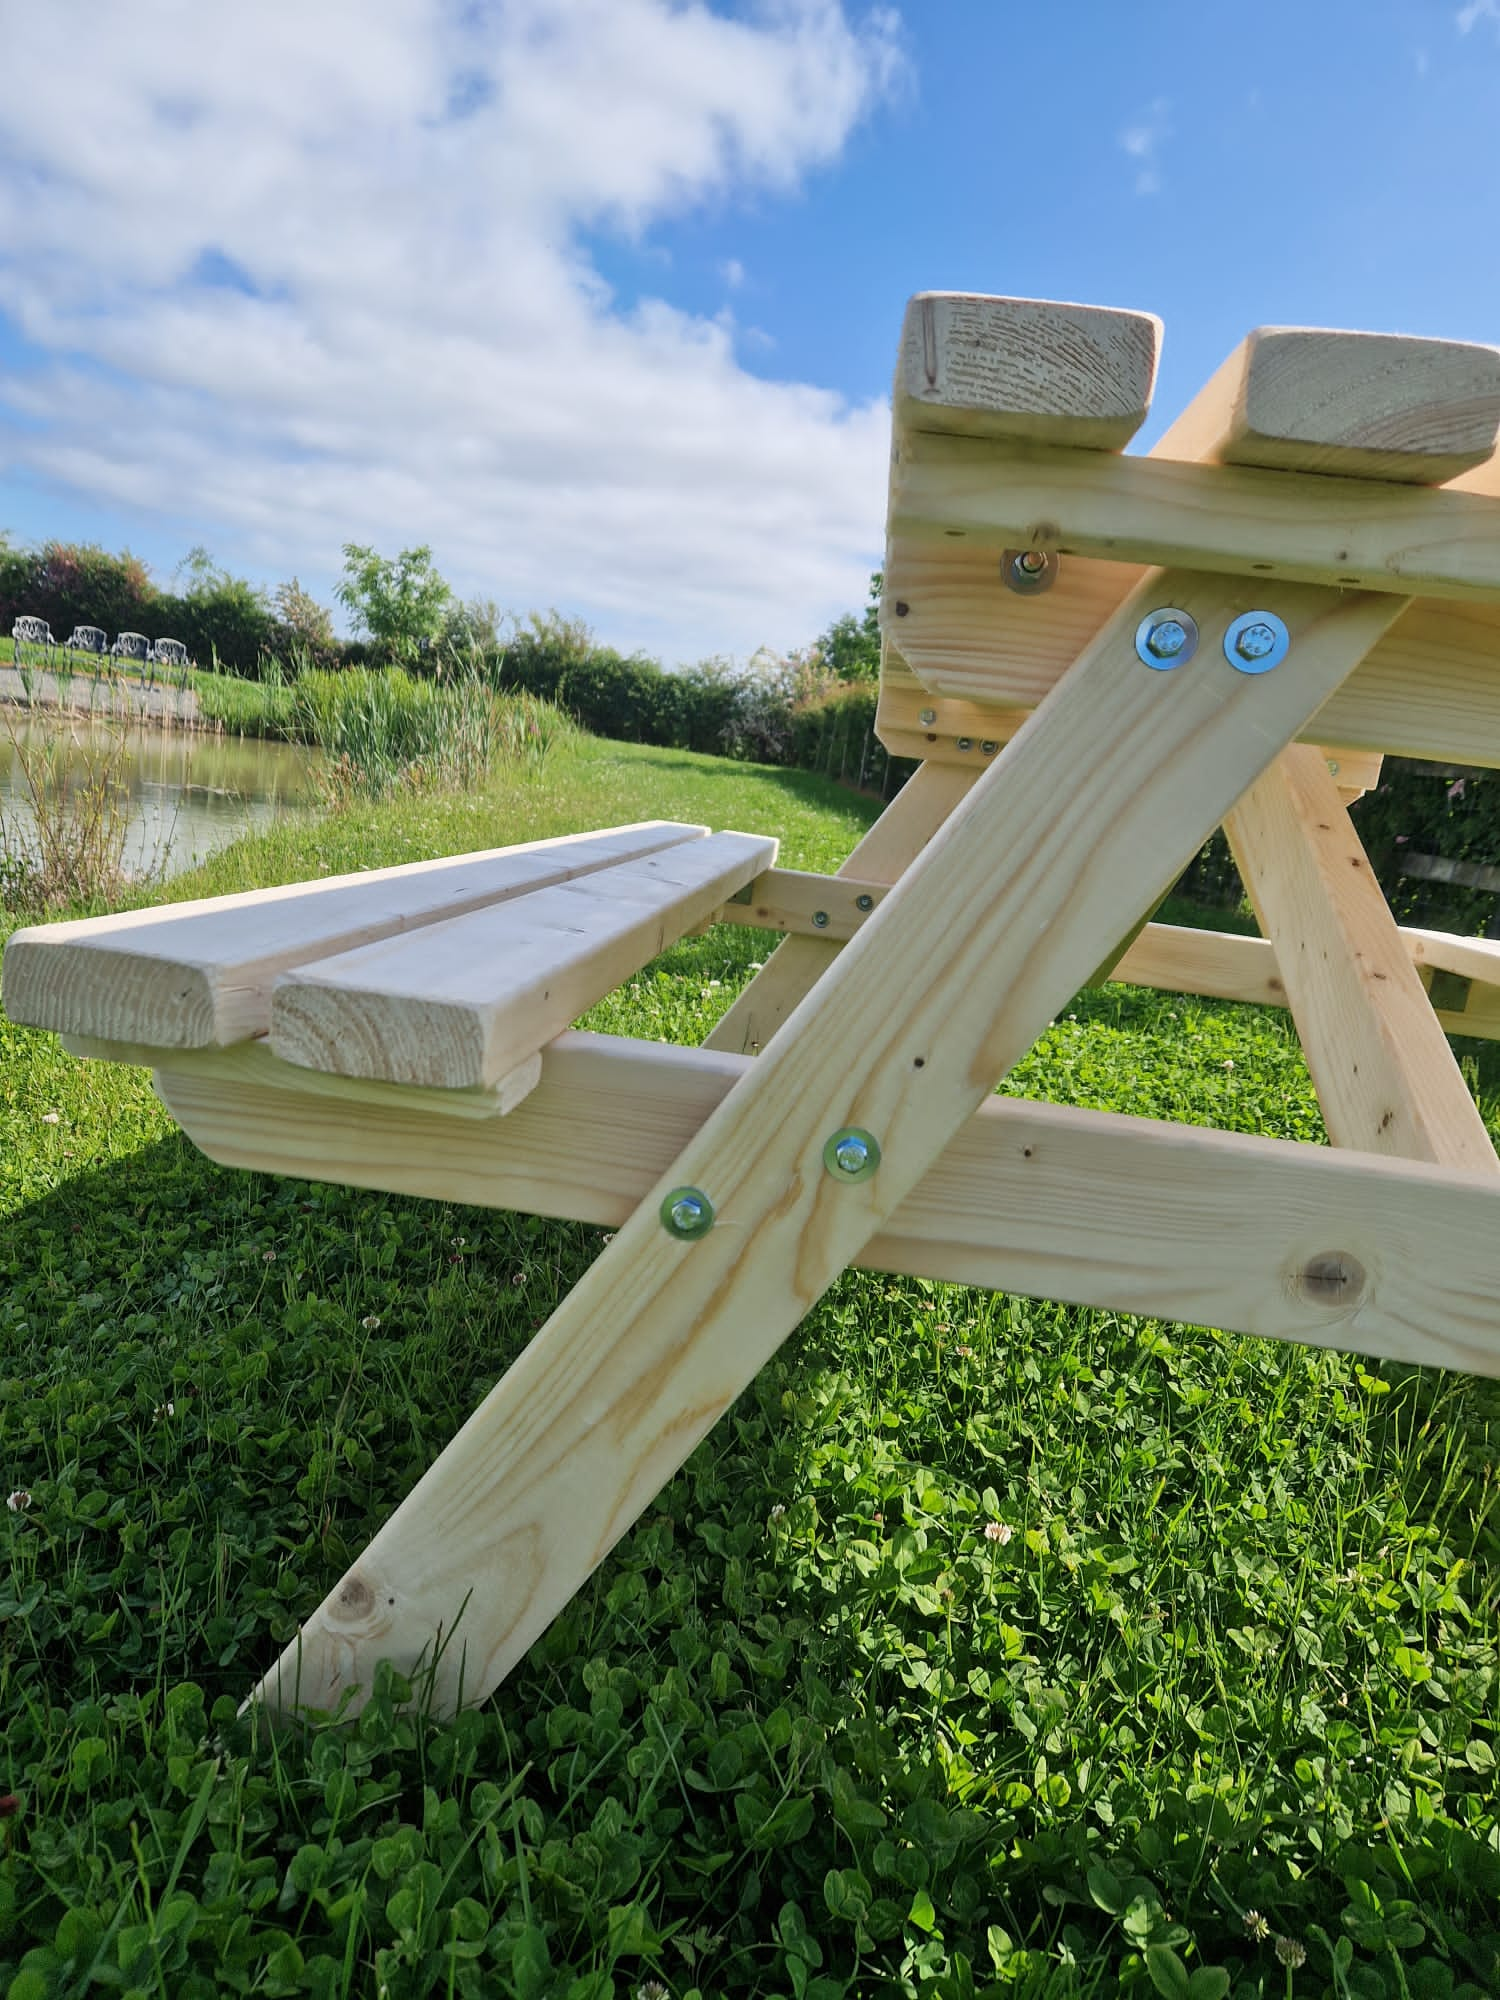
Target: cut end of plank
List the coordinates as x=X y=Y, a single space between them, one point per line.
x=1364 y=405
x=57 y=983
x=1025 y=368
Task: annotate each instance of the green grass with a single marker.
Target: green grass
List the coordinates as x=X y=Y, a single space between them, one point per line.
x=985 y=1646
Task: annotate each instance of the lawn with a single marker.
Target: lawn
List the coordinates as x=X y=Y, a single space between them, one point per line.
x=985 y=1646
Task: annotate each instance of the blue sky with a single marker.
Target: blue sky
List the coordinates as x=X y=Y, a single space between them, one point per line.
x=601 y=297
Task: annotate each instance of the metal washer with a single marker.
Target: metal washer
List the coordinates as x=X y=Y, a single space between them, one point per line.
x=1166 y=614
x=1267 y=660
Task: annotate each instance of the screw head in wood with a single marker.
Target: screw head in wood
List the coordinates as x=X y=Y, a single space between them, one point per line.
x=865 y=902
x=820 y=920
x=1256 y=641
x=852 y=1154
x=966 y=743
x=927 y=717
x=687 y=1212
x=1166 y=638
x=987 y=748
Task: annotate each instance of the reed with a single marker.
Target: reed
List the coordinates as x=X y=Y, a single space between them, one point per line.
x=65 y=844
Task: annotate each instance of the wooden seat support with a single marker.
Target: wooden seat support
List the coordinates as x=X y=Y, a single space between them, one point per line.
x=1337 y=490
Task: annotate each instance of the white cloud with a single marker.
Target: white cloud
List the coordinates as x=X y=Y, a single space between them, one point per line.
x=1475 y=11
x=308 y=275
x=732 y=271
x=1141 y=141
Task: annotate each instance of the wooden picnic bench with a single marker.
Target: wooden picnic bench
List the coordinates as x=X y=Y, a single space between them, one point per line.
x=1099 y=657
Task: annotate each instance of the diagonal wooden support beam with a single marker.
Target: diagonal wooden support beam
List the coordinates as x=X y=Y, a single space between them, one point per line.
x=1380 y=1062
x=948 y=985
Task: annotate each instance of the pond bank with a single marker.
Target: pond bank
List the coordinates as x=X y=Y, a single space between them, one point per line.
x=102 y=697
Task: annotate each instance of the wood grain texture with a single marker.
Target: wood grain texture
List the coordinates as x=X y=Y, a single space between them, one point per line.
x=1362 y=534
x=1430 y=688
x=460 y=1004
x=1385 y=1076
x=199 y=974
x=830 y=907
x=949 y=982
x=1025 y=368
x=796 y=965
x=1362 y=405
x=1125 y=1214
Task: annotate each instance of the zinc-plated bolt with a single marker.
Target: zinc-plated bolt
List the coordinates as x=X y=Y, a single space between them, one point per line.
x=1166 y=638
x=1256 y=641
x=864 y=902
x=966 y=743
x=820 y=920
x=927 y=717
x=987 y=748
x=687 y=1212
x=852 y=1154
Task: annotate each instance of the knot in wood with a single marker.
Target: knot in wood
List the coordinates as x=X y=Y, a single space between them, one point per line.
x=355 y=1598
x=1332 y=1278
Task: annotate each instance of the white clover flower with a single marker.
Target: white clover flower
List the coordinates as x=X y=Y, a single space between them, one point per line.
x=19 y=1501
x=998 y=1531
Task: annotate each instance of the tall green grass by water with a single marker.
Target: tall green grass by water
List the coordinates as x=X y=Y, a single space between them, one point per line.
x=986 y=1647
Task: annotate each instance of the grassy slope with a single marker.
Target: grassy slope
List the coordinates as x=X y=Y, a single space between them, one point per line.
x=1229 y=1643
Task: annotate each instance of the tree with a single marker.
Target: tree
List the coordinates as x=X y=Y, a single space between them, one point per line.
x=402 y=605
x=851 y=646
x=303 y=616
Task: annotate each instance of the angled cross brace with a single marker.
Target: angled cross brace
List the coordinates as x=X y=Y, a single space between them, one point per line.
x=907 y=1032
x=1385 y=1076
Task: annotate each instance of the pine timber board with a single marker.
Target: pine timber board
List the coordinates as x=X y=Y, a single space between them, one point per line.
x=792 y=900
x=971 y=732
x=1385 y=1076
x=1358 y=534
x=1364 y=405
x=1126 y=1214
x=459 y=1004
x=1430 y=688
x=948 y=984
x=199 y=974
x=981 y=366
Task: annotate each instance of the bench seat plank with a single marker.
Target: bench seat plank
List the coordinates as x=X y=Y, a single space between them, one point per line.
x=462 y=1004
x=199 y=974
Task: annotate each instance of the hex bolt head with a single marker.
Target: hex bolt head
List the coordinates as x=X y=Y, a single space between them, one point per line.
x=1256 y=641
x=688 y=1213
x=852 y=1154
x=1166 y=638
x=927 y=717
x=820 y=920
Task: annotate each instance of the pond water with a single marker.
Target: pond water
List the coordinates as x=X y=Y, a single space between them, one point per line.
x=184 y=794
